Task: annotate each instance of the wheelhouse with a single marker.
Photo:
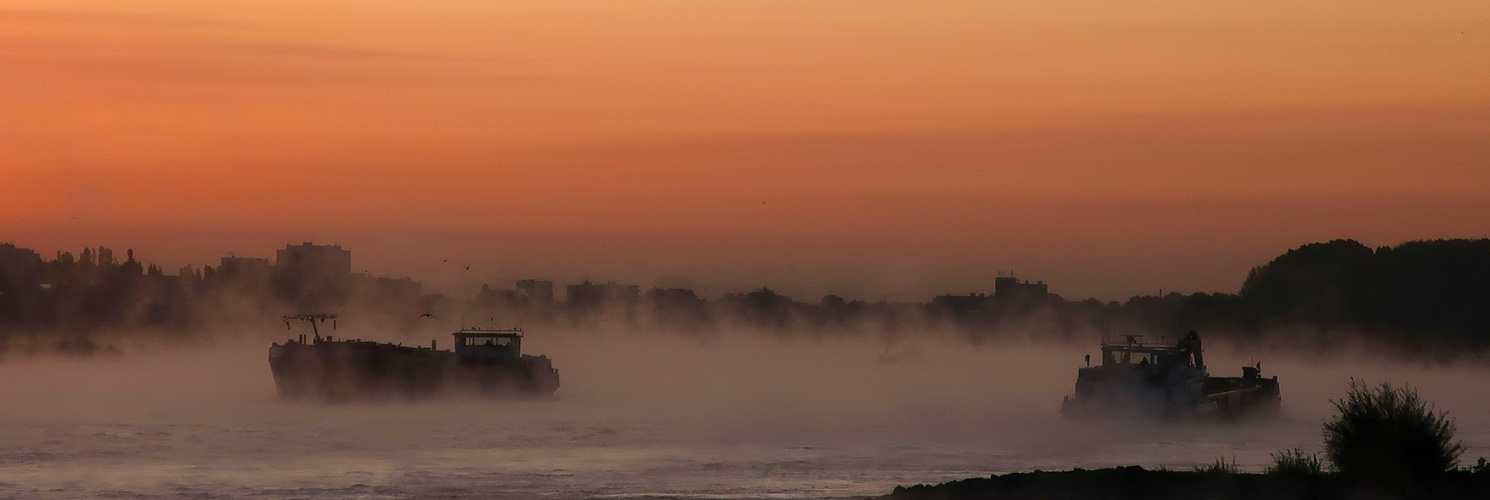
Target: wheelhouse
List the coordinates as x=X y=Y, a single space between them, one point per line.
x=1186 y=352
x=484 y=343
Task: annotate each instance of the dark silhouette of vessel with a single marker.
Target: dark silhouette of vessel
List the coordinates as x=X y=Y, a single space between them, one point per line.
x=1166 y=380
x=485 y=361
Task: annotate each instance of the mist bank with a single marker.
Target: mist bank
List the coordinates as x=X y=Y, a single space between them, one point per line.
x=1422 y=300
x=997 y=408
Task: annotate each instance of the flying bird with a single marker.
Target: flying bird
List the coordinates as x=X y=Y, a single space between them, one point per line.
x=468 y=268
x=428 y=315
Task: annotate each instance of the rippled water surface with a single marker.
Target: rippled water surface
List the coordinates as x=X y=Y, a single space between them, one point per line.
x=636 y=418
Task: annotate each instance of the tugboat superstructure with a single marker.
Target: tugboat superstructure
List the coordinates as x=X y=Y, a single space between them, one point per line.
x=1165 y=380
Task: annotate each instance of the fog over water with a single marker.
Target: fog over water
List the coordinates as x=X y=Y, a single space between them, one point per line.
x=638 y=415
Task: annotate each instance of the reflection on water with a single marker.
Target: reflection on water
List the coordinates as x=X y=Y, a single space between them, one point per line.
x=730 y=419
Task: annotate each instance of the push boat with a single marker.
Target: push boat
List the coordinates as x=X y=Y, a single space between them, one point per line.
x=1166 y=380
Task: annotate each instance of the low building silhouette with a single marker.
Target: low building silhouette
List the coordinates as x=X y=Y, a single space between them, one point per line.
x=313 y=276
x=587 y=294
x=537 y=291
x=245 y=268
x=17 y=263
x=1009 y=287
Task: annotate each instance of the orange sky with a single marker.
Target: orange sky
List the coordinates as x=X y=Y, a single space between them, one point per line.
x=871 y=148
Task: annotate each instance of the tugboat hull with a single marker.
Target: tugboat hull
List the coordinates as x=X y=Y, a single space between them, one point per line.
x=358 y=370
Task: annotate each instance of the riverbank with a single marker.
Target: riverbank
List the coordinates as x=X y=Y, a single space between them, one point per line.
x=1124 y=483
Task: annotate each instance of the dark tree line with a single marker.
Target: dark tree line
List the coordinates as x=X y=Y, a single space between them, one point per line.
x=1436 y=291
x=1422 y=295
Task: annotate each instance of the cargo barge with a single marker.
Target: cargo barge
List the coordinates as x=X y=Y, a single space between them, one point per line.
x=484 y=362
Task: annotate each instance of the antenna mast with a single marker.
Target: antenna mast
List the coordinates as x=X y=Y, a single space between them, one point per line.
x=312 y=319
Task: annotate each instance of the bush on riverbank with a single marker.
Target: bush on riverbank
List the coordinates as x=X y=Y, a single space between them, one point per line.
x=1295 y=463
x=1388 y=436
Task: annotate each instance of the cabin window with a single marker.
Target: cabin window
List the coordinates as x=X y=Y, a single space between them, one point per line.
x=490 y=341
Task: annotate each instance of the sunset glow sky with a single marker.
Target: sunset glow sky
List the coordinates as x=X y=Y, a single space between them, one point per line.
x=868 y=148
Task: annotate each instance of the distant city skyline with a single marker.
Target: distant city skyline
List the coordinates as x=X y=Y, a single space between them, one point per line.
x=449 y=276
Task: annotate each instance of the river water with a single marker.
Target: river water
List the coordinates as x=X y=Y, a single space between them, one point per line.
x=637 y=418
